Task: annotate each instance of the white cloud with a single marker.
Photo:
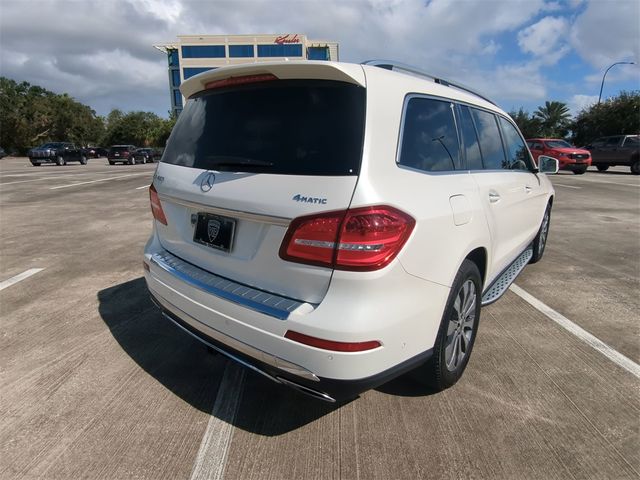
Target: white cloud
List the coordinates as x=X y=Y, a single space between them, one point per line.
x=579 y=102
x=608 y=32
x=545 y=39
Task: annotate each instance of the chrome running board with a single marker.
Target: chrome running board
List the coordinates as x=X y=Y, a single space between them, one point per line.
x=506 y=278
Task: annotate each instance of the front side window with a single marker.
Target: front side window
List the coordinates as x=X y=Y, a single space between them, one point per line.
x=613 y=141
x=631 y=141
x=517 y=152
x=490 y=141
x=429 y=136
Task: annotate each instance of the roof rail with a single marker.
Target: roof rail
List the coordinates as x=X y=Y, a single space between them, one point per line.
x=401 y=67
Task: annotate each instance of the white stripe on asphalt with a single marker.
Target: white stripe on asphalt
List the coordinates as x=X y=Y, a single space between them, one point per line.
x=563 y=185
x=613 y=355
x=212 y=455
x=99 y=180
x=144 y=186
x=20 y=277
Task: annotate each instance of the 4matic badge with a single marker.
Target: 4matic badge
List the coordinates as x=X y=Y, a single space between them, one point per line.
x=303 y=199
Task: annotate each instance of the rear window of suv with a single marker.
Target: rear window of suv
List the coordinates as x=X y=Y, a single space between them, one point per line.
x=289 y=127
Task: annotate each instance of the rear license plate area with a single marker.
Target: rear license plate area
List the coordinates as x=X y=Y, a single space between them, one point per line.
x=214 y=231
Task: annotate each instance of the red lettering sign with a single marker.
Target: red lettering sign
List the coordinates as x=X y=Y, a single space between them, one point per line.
x=288 y=38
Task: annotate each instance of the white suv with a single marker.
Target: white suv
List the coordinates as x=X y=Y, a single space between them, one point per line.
x=332 y=225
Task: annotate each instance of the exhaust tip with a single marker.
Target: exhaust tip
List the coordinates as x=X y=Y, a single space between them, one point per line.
x=307 y=391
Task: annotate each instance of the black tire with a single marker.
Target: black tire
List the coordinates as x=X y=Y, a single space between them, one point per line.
x=35 y=164
x=540 y=242
x=455 y=339
x=580 y=170
x=83 y=160
x=111 y=163
x=635 y=167
x=60 y=161
x=602 y=168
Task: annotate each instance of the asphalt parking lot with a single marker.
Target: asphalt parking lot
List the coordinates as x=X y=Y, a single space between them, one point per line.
x=95 y=384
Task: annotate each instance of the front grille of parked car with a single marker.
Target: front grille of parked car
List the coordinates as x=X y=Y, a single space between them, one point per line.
x=579 y=156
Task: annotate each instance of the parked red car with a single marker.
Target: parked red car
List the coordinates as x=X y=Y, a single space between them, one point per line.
x=571 y=158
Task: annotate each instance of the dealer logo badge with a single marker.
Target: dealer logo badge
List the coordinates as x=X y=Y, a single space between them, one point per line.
x=213 y=228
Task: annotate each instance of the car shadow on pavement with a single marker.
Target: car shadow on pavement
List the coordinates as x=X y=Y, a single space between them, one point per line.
x=182 y=365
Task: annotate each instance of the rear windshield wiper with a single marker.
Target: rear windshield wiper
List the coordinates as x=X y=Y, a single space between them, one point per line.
x=220 y=161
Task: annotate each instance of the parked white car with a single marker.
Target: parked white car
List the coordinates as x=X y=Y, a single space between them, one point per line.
x=332 y=225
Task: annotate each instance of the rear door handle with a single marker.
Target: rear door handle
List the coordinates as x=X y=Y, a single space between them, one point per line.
x=494 y=197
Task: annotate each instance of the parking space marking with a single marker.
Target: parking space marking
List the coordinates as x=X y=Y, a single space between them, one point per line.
x=99 y=180
x=609 y=183
x=212 y=455
x=563 y=185
x=19 y=278
x=144 y=186
x=613 y=355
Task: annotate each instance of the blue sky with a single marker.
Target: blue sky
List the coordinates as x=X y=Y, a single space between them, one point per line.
x=518 y=52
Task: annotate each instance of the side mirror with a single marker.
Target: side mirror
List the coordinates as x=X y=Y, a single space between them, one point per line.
x=548 y=164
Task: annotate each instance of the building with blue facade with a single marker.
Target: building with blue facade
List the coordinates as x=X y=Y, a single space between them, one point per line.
x=193 y=54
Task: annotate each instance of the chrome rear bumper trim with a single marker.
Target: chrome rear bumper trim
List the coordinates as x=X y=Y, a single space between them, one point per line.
x=170 y=311
x=249 y=297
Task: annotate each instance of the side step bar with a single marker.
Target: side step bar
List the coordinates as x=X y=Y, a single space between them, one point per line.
x=506 y=278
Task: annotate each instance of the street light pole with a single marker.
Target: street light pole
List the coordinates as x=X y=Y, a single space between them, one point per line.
x=605 y=74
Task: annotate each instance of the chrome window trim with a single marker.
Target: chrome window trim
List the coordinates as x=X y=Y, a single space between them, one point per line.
x=208 y=283
x=227 y=212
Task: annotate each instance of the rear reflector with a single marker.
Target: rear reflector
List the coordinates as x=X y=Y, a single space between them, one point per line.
x=330 y=344
x=232 y=81
x=156 y=206
x=360 y=239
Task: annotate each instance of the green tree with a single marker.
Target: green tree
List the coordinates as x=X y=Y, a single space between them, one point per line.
x=135 y=128
x=616 y=116
x=555 y=119
x=528 y=124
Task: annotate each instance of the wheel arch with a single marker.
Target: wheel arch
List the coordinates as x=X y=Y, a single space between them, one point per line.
x=479 y=257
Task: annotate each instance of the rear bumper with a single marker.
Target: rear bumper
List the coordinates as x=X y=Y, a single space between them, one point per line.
x=290 y=375
x=402 y=312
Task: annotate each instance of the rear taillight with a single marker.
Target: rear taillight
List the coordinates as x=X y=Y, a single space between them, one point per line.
x=156 y=206
x=361 y=239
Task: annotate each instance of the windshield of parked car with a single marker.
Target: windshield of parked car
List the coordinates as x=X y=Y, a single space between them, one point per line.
x=287 y=127
x=632 y=141
x=559 y=144
x=120 y=148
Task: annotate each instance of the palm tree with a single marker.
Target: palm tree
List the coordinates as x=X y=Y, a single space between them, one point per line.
x=555 y=119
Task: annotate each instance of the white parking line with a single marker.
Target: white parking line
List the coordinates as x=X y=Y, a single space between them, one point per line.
x=212 y=455
x=99 y=180
x=563 y=185
x=591 y=180
x=20 y=277
x=613 y=355
x=144 y=186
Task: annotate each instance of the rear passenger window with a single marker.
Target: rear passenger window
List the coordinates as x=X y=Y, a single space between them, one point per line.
x=429 y=138
x=517 y=153
x=470 y=140
x=490 y=141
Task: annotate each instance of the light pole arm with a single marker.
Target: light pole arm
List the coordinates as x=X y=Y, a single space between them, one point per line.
x=607 y=71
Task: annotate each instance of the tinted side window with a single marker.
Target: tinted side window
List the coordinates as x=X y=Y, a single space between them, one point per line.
x=490 y=141
x=470 y=140
x=631 y=142
x=517 y=153
x=429 y=138
x=613 y=141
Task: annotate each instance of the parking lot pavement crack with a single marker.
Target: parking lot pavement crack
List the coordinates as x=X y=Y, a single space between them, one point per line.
x=565 y=395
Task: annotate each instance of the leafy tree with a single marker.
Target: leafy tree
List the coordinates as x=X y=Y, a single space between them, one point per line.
x=528 y=124
x=31 y=115
x=555 y=119
x=616 y=116
x=135 y=128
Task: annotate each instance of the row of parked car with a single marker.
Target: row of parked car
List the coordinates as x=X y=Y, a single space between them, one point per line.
x=602 y=153
x=60 y=153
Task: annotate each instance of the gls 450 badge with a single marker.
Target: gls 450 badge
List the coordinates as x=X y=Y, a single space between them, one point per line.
x=303 y=199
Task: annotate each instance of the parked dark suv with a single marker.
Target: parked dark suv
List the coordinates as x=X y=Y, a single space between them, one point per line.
x=616 y=150
x=146 y=155
x=56 y=152
x=121 y=154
